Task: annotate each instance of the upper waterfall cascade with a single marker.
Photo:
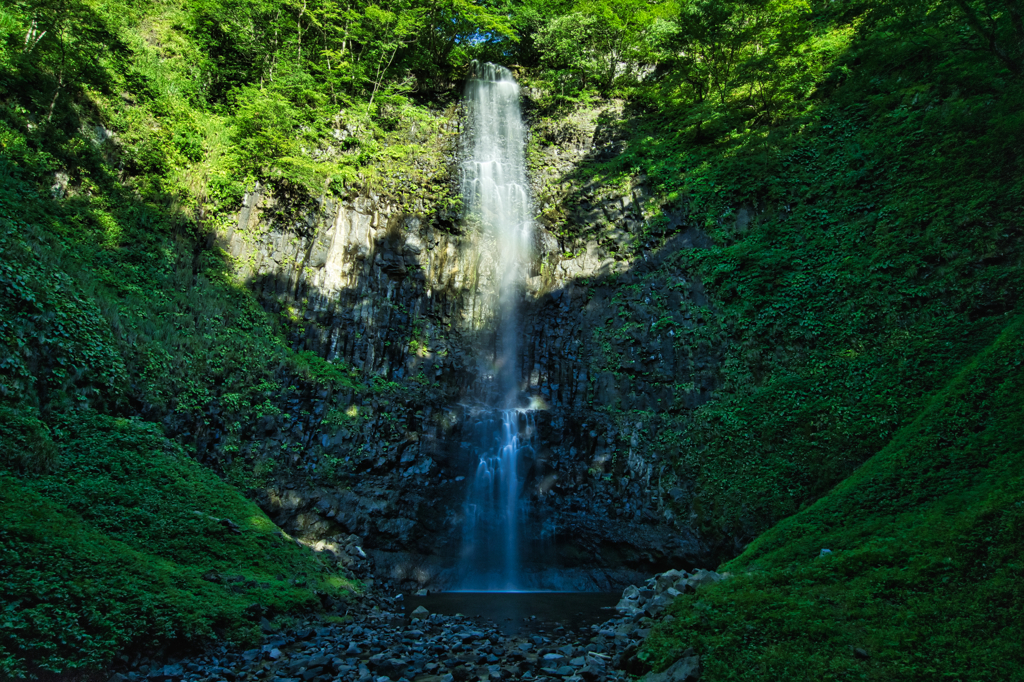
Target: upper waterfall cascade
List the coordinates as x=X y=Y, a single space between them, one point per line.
x=497 y=193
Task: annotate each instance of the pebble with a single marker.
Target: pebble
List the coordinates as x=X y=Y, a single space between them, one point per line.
x=382 y=645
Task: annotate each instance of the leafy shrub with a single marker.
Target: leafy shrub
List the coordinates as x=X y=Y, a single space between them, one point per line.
x=25 y=443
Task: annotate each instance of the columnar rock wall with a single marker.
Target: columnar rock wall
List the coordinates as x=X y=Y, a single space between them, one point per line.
x=609 y=346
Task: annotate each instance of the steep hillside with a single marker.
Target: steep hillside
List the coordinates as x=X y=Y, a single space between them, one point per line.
x=862 y=263
x=827 y=270
x=923 y=575
x=127 y=140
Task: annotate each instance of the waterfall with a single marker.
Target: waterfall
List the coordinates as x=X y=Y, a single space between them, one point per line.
x=496 y=192
x=491 y=539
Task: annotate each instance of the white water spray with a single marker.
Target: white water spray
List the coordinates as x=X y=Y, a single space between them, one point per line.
x=497 y=193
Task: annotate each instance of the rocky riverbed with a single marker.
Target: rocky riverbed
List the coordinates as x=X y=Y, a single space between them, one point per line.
x=379 y=642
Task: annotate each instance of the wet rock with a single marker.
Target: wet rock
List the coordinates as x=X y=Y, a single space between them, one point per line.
x=393 y=668
x=461 y=673
x=686 y=669
x=704 y=577
x=667 y=579
x=167 y=673
x=419 y=613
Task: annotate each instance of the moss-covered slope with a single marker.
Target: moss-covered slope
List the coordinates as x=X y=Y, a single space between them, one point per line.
x=927 y=556
x=129 y=543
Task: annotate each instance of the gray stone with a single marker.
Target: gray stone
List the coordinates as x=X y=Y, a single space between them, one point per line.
x=628 y=607
x=167 y=672
x=393 y=668
x=419 y=613
x=666 y=580
x=704 y=577
x=686 y=669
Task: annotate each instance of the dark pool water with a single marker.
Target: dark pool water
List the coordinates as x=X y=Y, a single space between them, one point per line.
x=523 y=612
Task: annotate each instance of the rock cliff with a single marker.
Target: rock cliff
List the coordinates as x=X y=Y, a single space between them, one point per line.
x=403 y=297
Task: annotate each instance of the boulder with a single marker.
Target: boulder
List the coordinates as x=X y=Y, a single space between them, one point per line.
x=666 y=580
x=657 y=606
x=686 y=669
x=628 y=607
x=419 y=613
x=393 y=668
x=703 y=577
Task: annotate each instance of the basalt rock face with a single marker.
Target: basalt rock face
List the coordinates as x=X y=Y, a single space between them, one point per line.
x=407 y=298
x=611 y=382
x=362 y=280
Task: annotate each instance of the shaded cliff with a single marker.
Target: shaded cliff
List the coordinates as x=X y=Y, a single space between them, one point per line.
x=614 y=344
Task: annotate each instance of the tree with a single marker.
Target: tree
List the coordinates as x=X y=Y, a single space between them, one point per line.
x=998 y=27
x=602 y=41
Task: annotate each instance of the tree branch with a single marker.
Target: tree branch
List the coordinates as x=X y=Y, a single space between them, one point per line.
x=990 y=35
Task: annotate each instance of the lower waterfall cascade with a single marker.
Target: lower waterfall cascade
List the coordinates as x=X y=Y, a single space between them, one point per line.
x=495 y=514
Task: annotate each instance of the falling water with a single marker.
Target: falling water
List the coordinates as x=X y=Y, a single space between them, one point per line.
x=496 y=192
x=491 y=542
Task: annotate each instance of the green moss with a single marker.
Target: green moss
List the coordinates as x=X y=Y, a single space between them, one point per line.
x=122 y=546
x=927 y=542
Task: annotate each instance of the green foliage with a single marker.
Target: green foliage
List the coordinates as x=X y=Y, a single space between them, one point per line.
x=876 y=251
x=859 y=174
x=25 y=442
x=926 y=557
x=314 y=368
x=602 y=44
x=122 y=546
x=744 y=62
x=59 y=350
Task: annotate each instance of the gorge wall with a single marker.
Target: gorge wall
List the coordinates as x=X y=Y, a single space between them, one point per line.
x=403 y=297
